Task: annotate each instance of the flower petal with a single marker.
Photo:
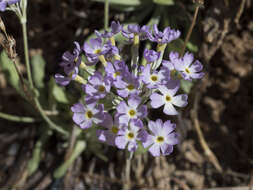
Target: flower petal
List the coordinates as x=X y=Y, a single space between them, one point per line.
x=169 y=109
x=180 y=100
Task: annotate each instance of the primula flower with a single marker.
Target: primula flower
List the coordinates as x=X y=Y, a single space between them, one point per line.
x=97 y=86
x=112 y=128
x=65 y=80
x=151 y=55
x=174 y=56
x=71 y=60
x=155 y=78
x=117 y=70
x=135 y=30
x=164 y=37
x=128 y=85
x=115 y=29
x=4 y=3
x=168 y=98
x=162 y=139
x=187 y=68
x=86 y=115
x=128 y=136
x=132 y=110
x=95 y=50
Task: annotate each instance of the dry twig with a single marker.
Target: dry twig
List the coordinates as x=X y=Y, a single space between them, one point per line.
x=208 y=153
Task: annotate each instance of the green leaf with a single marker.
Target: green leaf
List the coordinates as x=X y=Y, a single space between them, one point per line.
x=164 y=2
x=186 y=86
x=192 y=47
x=9 y=70
x=38 y=70
x=59 y=93
x=141 y=149
x=33 y=164
x=79 y=148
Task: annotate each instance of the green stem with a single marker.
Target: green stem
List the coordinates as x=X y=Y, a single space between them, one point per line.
x=106 y=16
x=17 y=118
x=36 y=101
x=26 y=52
x=49 y=122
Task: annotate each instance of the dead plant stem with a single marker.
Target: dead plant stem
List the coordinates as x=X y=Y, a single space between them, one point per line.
x=190 y=29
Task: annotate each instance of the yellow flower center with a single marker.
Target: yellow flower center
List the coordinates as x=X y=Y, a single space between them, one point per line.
x=97 y=51
x=154 y=78
x=187 y=70
x=159 y=139
x=132 y=113
x=130 y=87
x=115 y=129
x=130 y=135
x=101 y=88
x=116 y=74
x=89 y=114
x=168 y=98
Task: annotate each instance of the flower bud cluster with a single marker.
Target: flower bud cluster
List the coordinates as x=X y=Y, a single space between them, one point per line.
x=130 y=88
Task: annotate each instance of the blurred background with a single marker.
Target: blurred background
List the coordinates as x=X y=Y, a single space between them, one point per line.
x=220 y=105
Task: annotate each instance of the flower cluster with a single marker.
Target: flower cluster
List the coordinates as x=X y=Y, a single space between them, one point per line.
x=5 y=3
x=129 y=87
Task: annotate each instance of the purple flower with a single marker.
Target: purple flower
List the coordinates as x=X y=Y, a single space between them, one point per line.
x=151 y=55
x=86 y=115
x=97 y=86
x=117 y=70
x=128 y=136
x=71 y=60
x=65 y=80
x=164 y=37
x=168 y=98
x=155 y=78
x=95 y=50
x=115 y=29
x=4 y=3
x=132 y=110
x=128 y=85
x=163 y=138
x=187 y=68
x=174 y=59
x=134 y=30
x=112 y=128
x=113 y=51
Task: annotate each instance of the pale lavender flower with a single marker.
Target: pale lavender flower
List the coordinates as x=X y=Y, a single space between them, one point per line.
x=168 y=98
x=134 y=29
x=117 y=70
x=97 y=86
x=128 y=85
x=111 y=50
x=109 y=134
x=94 y=48
x=155 y=78
x=115 y=29
x=86 y=115
x=131 y=110
x=151 y=55
x=174 y=59
x=187 y=68
x=128 y=136
x=4 y=3
x=65 y=80
x=162 y=139
x=166 y=36
x=71 y=60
